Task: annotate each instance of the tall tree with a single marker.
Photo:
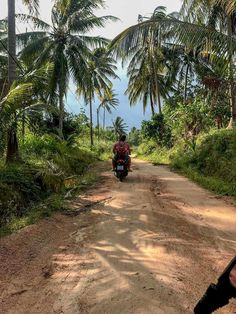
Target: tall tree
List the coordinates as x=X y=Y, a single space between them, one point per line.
x=95 y=79
x=65 y=44
x=108 y=102
x=12 y=143
x=147 y=69
x=190 y=32
x=221 y=17
x=119 y=127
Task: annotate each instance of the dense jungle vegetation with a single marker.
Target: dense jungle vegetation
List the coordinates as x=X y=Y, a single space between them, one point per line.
x=182 y=65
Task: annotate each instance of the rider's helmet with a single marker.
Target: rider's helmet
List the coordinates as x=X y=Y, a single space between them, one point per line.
x=123 y=138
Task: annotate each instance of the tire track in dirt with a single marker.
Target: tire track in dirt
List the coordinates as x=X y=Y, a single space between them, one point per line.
x=152 y=245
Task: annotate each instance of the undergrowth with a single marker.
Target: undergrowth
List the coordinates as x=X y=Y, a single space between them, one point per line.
x=52 y=168
x=209 y=159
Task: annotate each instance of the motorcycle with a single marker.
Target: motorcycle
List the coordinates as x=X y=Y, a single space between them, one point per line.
x=121 y=170
x=219 y=295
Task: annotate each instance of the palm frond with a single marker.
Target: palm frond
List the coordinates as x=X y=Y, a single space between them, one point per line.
x=183 y=32
x=76 y=24
x=37 y=23
x=23 y=39
x=33 y=5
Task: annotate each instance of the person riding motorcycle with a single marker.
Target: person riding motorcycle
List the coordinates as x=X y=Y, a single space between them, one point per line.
x=121 y=149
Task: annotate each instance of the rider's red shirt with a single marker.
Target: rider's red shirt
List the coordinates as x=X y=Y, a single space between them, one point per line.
x=125 y=147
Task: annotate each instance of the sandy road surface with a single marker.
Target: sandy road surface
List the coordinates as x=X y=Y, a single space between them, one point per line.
x=152 y=245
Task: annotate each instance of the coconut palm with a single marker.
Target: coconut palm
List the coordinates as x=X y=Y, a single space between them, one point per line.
x=218 y=42
x=12 y=145
x=108 y=102
x=221 y=17
x=119 y=127
x=66 y=44
x=146 y=69
x=147 y=78
x=33 y=5
x=95 y=79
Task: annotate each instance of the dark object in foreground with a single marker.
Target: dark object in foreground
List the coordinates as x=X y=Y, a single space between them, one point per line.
x=121 y=170
x=220 y=294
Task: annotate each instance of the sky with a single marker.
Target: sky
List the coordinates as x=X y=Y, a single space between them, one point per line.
x=127 y=11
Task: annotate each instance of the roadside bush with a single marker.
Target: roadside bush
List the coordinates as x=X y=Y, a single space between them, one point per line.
x=18 y=187
x=48 y=162
x=156 y=129
x=151 y=151
x=212 y=163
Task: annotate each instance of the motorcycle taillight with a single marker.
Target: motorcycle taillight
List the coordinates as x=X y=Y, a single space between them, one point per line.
x=232 y=277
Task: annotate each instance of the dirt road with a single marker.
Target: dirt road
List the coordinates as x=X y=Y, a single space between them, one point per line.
x=151 y=244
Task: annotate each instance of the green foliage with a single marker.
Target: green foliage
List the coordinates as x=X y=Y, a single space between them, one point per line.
x=119 y=127
x=103 y=149
x=209 y=159
x=19 y=187
x=188 y=120
x=151 y=151
x=157 y=130
x=212 y=163
x=135 y=138
x=50 y=161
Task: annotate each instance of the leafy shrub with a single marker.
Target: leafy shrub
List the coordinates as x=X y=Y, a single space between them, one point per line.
x=153 y=152
x=213 y=161
x=18 y=187
x=50 y=161
x=156 y=129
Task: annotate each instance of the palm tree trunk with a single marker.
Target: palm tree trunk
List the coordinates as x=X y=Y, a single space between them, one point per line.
x=98 y=122
x=11 y=43
x=152 y=104
x=157 y=88
x=186 y=84
x=159 y=99
x=232 y=122
x=23 y=127
x=91 y=120
x=104 y=118
x=12 y=142
x=61 y=110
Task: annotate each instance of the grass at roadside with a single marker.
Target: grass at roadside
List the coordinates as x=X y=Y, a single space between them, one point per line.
x=54 y=203
x=210 y=162
x=50 y=170
x=210 y=183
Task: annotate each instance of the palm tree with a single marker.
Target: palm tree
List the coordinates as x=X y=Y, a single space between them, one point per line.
x=12 y=146
x=108 y=102
x=146 y=79
x=221 y=17
x=147 y=68
x=65 y=44
x=12 y=143
x=95 y=79
x=119 y=127
x=217 y=41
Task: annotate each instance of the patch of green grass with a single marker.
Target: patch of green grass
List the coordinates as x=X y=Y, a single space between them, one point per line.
x=211 y=162
x=213 y=184
x=152 y=152
x=156 y=158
